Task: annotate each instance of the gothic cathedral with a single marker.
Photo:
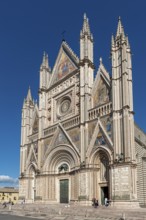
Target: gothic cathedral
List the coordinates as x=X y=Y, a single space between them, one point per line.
x=80 y=141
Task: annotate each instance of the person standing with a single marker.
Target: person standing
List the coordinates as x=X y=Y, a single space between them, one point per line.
x=106 y=201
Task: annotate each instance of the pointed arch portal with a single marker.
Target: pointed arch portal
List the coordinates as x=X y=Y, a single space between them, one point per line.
x=101 y=175
x=32 y=183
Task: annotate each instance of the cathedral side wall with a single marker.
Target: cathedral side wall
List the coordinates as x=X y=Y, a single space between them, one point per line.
x=140 y=144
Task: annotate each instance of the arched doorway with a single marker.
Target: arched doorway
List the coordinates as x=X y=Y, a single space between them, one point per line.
x=32 y=184
x=101 y=175
x=104 y=176
x=60 y=162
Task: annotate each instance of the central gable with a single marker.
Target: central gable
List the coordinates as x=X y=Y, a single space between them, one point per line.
x=65 y=64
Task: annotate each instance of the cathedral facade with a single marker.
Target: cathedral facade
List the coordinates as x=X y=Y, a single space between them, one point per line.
x=80 y=141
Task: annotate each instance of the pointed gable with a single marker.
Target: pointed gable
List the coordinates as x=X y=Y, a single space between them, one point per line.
x=100 y=138
x=61 y=138
x=65 y=64
x=35 y=120
x=101 y=88
x=32 y=155
x=35 y=125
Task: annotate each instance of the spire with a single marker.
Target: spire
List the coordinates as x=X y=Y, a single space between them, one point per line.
x=29 y=97
x=24 y=102
x=128 y=45
x=86 y=27
x=120 y=29
x=45 y=62
x=112 y=41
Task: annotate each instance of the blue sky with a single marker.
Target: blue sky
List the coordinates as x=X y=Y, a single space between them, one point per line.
x=29 y=27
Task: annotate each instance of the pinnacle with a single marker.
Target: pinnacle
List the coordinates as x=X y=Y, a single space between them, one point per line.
x=85 y=16
x=29 y=97
x=120 y=29
x=112 y=40
x=128 y=45
x=86 y=27
x=45 y=62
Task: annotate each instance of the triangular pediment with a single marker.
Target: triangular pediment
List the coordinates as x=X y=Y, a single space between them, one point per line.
x=35 y=125
x=101 y=88
x=66 y=63
x=35 y=121
x=61 y=137
x=32 y=156
x=99 y=138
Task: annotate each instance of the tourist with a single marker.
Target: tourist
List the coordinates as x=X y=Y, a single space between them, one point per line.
x=4 y=205
x=106 y=201
x=96 y=203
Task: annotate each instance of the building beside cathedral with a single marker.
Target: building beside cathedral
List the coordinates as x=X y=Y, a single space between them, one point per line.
x=80 y=141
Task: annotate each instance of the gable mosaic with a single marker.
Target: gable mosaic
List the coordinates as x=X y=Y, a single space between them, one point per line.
x=64 y=67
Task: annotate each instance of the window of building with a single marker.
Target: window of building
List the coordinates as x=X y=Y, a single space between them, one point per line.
x=63 y=167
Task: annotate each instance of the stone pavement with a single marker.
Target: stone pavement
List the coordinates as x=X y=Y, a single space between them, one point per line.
x=73 y=212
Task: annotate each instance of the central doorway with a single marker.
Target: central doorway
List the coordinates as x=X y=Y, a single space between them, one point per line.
x=64 y=191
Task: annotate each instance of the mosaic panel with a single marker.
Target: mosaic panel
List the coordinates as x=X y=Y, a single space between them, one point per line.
x=91 y=127
x=101 y=95
x=46 y=144
x=75 y=136
x=107 y=124
x=61 y=139
x=65 y=66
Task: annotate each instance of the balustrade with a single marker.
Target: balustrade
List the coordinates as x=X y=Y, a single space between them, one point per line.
x=99 y=111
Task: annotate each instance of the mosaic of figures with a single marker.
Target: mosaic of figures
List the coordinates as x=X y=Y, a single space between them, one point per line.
x=102 y=94
x=61 y=139
x=65 y=67
x=75 y=136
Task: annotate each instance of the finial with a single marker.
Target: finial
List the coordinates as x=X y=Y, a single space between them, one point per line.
x=85 y=16
x=44 y=58
x=100 y=60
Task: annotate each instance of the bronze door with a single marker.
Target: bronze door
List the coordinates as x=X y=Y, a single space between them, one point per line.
x=64 y=191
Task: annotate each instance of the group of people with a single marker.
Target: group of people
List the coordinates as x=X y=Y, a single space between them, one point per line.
x=7 y=203
x=96 y=204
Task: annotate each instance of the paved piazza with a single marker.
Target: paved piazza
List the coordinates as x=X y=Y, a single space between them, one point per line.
x=73 y=212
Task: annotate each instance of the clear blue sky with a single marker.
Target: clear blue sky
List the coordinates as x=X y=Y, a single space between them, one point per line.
x=29 y=27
